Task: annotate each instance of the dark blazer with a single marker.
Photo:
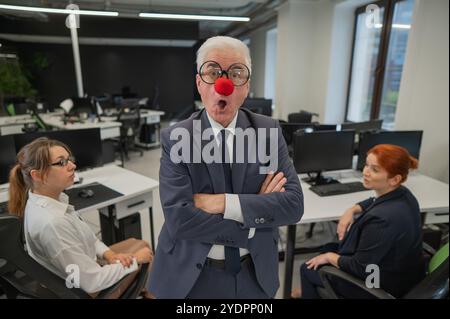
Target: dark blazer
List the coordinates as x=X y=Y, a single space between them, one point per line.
x=188 y=233
x=388 y=234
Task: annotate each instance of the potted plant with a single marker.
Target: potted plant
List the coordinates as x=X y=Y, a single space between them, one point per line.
x=14 y=85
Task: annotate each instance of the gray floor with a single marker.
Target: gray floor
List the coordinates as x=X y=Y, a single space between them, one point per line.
x=148 y=165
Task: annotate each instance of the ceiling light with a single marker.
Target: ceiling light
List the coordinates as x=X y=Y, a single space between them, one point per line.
x=64 y=11
x=394 y=25
x=192 y=17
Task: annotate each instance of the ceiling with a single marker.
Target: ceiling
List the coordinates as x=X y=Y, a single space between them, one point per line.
x=260 y=11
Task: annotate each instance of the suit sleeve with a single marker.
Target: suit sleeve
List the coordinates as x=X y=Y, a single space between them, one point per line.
x=374 y=244
x=183 y=220
x=366 y=203
x=275 y=209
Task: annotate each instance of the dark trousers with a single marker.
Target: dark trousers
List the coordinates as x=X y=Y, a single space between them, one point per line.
x=215 y=283
x=310 y=280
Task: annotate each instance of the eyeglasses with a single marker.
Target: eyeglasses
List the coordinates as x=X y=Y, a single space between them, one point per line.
x=238 y=73
x=64 y=161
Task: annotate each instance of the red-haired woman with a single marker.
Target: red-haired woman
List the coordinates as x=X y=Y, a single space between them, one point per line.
x=385 y=231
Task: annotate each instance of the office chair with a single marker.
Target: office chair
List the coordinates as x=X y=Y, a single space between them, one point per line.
x=22 y=277
x=130 y=117
x=433 y=286
x=301 y=117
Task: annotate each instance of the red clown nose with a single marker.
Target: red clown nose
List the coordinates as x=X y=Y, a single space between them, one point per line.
x=224 y=86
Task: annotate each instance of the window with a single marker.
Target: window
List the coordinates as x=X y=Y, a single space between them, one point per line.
x=377 y=61
x=271 y=62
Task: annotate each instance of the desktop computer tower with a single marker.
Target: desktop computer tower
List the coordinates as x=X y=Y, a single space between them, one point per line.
x=149 y=133
x=108 y=151
x=114 y=230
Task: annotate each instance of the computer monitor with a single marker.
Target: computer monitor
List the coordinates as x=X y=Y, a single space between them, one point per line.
x=259 y=105
x=325 y=127
x=411 y=140
x=320 y=151
x=373 y=125
x=7 y=157
x=288 y=130
x=85 y=144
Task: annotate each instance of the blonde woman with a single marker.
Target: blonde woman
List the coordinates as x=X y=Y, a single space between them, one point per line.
x=55 y=235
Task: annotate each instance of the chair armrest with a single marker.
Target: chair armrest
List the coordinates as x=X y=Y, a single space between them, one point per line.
x=330 y=271
x=428 y=249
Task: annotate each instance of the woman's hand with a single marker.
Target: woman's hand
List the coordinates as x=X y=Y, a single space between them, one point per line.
x=324 y=259
x=346 y=220
x=125 y=259
x=144 y=255
x=344 y=224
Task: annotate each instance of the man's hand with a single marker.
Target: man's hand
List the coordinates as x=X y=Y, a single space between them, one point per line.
x=111 y=257
x=210 y=203
x=273 y=184
x=215 y=203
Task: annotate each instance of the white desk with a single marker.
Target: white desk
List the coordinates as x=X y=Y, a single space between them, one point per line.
x=14 y=124
x=148 y=117
x=108 y=129
x=137 y=192
x=432 y=195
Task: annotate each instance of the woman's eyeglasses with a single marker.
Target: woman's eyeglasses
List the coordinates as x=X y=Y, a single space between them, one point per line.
x=238 y=73
x=64 y=161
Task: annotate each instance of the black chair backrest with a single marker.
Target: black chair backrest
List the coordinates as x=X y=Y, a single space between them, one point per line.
x=301 y=117
x=434 y=286
x=17 y=259
x=130 y=117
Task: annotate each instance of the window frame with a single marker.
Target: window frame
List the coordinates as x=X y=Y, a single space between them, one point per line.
x=389 y=6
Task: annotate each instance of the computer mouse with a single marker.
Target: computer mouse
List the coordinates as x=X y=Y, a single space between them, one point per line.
x=86 y=193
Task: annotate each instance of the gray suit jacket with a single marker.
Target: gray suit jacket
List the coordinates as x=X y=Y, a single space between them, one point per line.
x=188 y=233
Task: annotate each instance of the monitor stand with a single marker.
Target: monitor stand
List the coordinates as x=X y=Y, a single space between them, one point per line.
x=319 y=180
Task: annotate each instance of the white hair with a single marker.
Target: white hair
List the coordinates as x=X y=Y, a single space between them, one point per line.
x=221 y=43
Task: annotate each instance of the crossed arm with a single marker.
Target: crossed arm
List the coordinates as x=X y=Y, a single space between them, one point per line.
x=215 y=203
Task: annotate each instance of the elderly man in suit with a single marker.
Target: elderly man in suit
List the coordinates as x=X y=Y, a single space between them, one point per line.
x=220 y=235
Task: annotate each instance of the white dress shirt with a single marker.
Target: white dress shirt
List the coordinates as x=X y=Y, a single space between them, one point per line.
x=56 y=237
x=232 y=204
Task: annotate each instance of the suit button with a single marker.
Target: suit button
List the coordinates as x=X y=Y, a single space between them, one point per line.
x=262 y=221
x=199 y=266
x=256 y=221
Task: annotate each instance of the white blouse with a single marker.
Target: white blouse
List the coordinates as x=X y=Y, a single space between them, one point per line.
x=57 y=237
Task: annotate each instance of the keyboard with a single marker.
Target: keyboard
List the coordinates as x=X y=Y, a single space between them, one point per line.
x=338 y=188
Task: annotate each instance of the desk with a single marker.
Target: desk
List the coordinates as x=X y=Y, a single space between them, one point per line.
x=432 y=195
x=137 y=192
x=14 y=124
x=149 y=117
x=108 y=129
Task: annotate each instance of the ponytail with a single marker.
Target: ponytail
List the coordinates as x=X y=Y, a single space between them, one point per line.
x=17 y=192
x=414 y=163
